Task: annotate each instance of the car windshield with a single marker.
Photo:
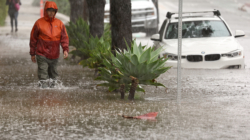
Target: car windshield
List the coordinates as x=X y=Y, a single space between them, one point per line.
x=107 y=1
x=198 y=29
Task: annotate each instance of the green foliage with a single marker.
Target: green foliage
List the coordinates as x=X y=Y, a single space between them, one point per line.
x=141 y=63
x=79 y=35
x=114 y=77
x=138 y=62
x=90 y=49
x=119 y=72
x=3 y=12
x=99 y=50
x=94 y=49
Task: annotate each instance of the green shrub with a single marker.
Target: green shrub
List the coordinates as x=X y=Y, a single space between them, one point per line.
x=78 y=36
x=123 y=72
x=91 y=50
x=97 y=49
x=138 y=65
x=3 y=12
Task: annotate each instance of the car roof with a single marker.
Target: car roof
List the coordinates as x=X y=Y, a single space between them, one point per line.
x=195 y=18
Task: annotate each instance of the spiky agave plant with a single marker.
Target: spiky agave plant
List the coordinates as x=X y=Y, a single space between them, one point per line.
x=114 y=79
x=141 y=65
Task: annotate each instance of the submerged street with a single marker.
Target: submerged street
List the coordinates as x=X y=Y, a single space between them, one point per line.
x=214 y=105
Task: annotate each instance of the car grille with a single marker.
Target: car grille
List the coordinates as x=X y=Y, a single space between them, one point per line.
x=138 y=23
x=212 y=57
x=194 y=58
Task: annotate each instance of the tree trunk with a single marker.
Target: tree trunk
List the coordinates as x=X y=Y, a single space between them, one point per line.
x=121 y=27
x=85 y=11
x=76 y=9
x=133 y=87
x=96 y=17
x=122 y=91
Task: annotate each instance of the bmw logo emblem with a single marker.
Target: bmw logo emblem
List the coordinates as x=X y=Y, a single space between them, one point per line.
x=202 y=52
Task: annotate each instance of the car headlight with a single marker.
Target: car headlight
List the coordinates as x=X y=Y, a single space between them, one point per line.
x=173 y=57
x=150 y=13
x=232 y=54
x=149 y=8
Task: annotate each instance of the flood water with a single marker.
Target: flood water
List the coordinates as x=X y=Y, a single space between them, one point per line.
x=215 y=103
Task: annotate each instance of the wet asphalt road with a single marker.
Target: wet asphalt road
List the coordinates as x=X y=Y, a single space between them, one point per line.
x=215 y=103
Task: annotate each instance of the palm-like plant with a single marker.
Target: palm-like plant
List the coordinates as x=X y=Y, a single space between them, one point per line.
x=99 y=51
x=138 y=65
x=78 y=34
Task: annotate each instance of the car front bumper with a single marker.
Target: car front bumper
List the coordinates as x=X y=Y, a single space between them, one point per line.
x=223 y=63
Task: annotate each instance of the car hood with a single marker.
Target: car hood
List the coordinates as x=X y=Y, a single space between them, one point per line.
x=136 y=5
x=141 y=4
x=198 y=45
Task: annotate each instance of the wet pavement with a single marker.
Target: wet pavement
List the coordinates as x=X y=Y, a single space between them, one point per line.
x=215 y=103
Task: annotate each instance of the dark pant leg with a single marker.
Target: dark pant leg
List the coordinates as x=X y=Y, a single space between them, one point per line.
x=11 y=14
x=42 y=67
x=52 y=69
x=11 y=22
x=16 y=15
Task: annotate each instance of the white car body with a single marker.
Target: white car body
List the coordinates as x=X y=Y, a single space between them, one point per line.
x=205 y=47
x=144 y=15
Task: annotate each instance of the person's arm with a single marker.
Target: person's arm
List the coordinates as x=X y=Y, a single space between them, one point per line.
x=64 y=41
x=33 y=41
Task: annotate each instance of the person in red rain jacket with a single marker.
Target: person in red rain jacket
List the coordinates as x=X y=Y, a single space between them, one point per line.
x=46 y=37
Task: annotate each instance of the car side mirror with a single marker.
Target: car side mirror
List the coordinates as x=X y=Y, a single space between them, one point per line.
x=239 y=33
x=156 y=37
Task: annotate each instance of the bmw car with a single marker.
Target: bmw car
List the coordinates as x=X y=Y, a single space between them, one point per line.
x=207 y=41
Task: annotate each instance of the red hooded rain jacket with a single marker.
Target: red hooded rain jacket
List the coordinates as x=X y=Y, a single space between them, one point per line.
x=47 y=35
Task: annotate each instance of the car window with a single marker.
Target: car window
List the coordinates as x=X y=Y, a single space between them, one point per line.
x=198 y=29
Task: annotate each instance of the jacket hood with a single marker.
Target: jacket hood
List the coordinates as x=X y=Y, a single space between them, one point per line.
x=49 y=4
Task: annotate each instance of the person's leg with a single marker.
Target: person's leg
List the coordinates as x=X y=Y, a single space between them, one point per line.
x=11 y=23
x=11 y=19
x=42 y=70
x=52 y=71
x=16 y=15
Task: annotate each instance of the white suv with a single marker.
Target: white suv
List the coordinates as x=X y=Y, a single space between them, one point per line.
x=208 y=42
x=144 y=16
